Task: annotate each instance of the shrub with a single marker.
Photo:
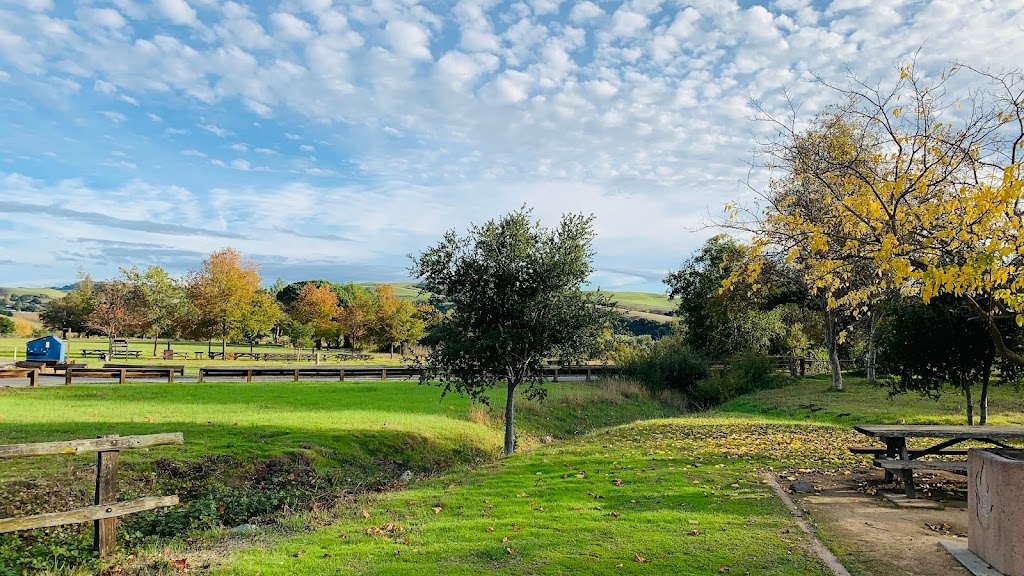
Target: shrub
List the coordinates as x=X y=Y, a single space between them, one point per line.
x=672 y=366
x=669 y=364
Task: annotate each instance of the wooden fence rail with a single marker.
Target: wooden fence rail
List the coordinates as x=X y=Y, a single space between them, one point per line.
x=105 y=508
x=341 y=373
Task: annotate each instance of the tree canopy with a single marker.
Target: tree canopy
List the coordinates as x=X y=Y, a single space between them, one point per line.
x=516 y=298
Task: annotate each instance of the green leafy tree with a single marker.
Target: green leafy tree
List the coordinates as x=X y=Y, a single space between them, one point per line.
x=930 y=347
x=164 y=302
x=516 y=298
x=356 y=318
x=395 y=321
x=71 y=313
x=6 y=326
x=260 y=317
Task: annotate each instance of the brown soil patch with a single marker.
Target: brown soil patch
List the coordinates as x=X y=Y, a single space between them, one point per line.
x=873 y=537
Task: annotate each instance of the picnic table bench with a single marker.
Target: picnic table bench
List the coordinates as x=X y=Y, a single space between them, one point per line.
x=899 y=459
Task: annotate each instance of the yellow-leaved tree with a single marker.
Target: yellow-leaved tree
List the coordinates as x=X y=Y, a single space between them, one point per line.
x=221 y=293
x=907 y=189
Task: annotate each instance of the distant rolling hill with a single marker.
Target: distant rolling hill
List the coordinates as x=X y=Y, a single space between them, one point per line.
x=647 y=305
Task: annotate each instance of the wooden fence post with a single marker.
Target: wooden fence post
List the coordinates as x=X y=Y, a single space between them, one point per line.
x=122 y=382
x=33 y=378
x=341 y=375
x=105 y=531
x=588 y=374
x=248 y=376
x=67 y=376
x=556 y=375
x=201 y=375
x=170 y=376
x=296 y=374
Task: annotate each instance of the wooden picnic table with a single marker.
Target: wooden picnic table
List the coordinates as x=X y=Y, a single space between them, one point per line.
x=900 y=459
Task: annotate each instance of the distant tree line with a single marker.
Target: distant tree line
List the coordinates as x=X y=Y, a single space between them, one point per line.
x=223 y=300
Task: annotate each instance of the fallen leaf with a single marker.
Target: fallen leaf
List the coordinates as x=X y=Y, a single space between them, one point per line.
x=724 y=570
x=614 y=514
x=327 y=554
x=490 y=528
x=504 y=539
x=298 y=554
x=366 y=514
x=509 y=551
x=343 y=536
x=516 y=528
x=617 y=482
x=180 y=564
x=694 y=532
x=436 y=509
x=639 y=559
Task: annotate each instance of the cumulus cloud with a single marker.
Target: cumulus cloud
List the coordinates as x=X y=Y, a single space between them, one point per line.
x=560 y=103
x=177 y=11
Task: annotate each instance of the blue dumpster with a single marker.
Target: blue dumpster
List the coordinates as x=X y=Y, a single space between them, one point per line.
x=48 y=349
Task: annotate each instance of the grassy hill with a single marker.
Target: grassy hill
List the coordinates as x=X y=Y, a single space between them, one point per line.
x=647 y=305
x=47 y=293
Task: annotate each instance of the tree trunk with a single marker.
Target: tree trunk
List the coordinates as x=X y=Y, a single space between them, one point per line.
x=223 y=347
x=392 y=350
x=156 y=342
x=872 y=355
x=510 y=437
x=970 y=403
x=833 y=349
x=983 y=403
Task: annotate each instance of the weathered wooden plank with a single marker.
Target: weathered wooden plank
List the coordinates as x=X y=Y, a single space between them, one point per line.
x=891 y=464
x=923 y=431
x=880 y=451
x=92 y=445
x=79 y=515
x=105 y=530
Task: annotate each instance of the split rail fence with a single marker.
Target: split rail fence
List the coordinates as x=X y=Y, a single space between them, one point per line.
x=105 y=509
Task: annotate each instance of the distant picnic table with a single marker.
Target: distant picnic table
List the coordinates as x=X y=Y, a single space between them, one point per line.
x=895 y=457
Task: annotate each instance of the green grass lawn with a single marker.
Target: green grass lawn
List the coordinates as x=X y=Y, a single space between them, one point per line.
x=811 y=400
x=9 y=347
x=629 y=488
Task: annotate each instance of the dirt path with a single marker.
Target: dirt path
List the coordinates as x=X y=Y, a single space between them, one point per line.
x=873 y=537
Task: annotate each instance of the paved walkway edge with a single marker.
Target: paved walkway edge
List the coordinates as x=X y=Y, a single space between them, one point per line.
x=969 y=559
x=820 y=550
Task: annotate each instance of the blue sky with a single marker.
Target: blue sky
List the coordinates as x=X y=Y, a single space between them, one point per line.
x=332 y=138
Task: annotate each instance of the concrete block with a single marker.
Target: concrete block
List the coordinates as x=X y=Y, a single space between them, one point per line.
x=995 y=508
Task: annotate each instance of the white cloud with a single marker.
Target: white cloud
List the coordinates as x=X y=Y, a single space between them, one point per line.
x=408 y=39
x=176 y=131
x=291 y=27
x=267 y=151
x=177 y=11
x=154 y=117
x=107 y=17
x=104 y=87
x=307 y=148
x=291 y=136
x=215 y=130
x=115 y=117
x=240 y=164
x=128 y=99
x=584 y=11
x=193 y=153
x=626 y=23
x=239 y=147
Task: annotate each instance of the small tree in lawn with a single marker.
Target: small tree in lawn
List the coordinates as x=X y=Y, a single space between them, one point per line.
x=515 y=294
x=6 y=326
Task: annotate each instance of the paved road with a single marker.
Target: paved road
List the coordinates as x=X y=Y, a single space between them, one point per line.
x=58 y=380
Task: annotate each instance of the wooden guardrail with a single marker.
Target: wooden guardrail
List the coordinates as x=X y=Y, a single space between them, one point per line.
x=122 y=374
x=375 y=372
x=105 y=509
x=31 y=373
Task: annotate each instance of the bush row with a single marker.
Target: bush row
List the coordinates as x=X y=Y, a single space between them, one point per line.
x=670 y=365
